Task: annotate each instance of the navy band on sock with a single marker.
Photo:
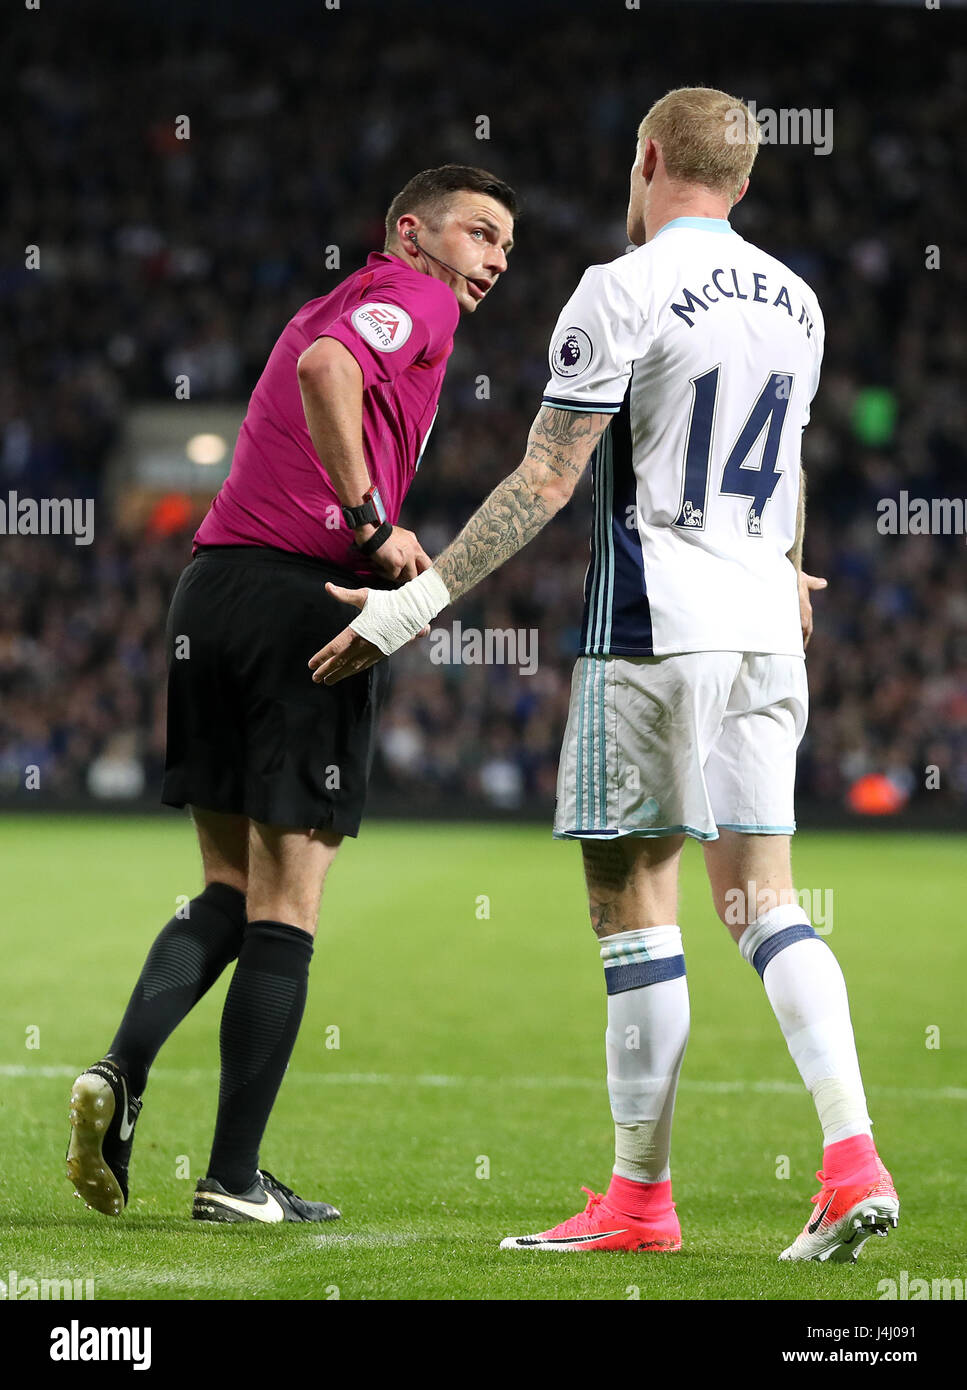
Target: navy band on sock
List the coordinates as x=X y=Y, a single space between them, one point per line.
x=772 y=945
x=637 y=974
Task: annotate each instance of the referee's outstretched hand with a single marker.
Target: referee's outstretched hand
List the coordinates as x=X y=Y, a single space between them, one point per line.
x=348 y=653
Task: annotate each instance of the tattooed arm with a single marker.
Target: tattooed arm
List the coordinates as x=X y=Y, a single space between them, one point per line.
x=558 y=449
x=559 y=446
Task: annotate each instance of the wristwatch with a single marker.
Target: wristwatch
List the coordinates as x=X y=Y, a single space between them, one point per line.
x=371 y=513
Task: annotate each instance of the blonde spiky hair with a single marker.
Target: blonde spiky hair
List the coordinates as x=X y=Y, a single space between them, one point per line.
x=706 y=137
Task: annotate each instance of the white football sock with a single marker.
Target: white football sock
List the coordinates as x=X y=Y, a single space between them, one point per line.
x=648 y=1020
x=807 y=992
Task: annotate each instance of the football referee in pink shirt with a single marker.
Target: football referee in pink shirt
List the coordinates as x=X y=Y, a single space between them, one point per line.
x=273 y=766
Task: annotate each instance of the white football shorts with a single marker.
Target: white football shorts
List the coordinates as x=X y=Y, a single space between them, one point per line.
x=686 y=744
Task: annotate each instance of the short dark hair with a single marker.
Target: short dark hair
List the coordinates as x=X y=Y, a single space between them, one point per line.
x=428 y=193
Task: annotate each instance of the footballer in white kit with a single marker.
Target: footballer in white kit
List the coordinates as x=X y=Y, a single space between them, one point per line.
x=696 y=493
x=685 y=371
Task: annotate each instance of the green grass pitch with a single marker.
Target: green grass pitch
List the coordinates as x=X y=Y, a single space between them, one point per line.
x=465 y=1100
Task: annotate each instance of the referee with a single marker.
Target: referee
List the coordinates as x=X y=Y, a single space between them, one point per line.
x=273 y=766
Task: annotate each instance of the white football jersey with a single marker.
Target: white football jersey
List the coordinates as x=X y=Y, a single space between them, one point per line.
x=707 y=352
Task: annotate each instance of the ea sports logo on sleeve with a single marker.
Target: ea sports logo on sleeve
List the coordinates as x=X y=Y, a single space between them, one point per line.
x=384 y=326
x=572 y=352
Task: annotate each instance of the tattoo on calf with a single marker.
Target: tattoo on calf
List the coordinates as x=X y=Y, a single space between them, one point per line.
x=606 y=870
x=606 y=866
x=607 y=920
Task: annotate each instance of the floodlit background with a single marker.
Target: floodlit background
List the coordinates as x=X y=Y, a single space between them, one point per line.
x=160 y=259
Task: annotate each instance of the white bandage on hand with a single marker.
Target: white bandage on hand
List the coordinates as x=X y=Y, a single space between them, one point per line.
x=392 y=617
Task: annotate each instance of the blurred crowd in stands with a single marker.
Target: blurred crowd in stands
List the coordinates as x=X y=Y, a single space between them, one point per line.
x=160 y=256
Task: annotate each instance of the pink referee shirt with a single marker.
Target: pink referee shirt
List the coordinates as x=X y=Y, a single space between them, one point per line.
x=399 y=326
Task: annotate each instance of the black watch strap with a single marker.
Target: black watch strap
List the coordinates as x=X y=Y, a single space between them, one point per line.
x=366 y=515
x=378 y=538
x=371 y=513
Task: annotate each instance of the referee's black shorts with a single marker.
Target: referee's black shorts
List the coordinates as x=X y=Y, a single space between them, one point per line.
x=248 y=731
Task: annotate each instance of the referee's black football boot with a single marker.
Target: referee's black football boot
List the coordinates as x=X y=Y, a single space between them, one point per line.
x=103 y=1116
x=267 y=1200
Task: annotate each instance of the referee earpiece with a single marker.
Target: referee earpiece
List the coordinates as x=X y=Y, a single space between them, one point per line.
x=411 y=236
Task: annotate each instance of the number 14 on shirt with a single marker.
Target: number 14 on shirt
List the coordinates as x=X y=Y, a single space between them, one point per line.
x=739 y=479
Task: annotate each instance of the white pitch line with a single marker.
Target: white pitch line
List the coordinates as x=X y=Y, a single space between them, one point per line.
x=18 y=1071
x=367 y=1240
x=21 y=1071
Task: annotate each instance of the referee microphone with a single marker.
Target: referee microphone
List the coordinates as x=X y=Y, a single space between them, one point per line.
x=423 y=251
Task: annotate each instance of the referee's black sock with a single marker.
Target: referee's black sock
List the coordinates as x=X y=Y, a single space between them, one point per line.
x=263 y=1010
x=185 y=961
